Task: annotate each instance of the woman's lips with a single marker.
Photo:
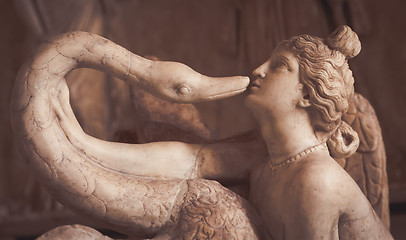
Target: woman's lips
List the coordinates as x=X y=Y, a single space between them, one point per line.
x=255 y=84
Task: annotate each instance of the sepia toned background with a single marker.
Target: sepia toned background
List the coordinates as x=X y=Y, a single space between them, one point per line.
x=217 y=38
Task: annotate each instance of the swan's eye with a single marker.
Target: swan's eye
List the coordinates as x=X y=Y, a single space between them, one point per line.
x=183 y=90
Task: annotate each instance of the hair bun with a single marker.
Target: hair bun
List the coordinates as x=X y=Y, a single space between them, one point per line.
x=345 y=40
x=344 y=141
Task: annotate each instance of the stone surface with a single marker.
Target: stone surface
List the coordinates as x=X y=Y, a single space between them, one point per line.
x=73 y=232
x=156 y=190
x=103 y=179
x=368 y=165
x=299 y=97
x=23 y=200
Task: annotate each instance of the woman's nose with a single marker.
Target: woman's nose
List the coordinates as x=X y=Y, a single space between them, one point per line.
x=259 y=72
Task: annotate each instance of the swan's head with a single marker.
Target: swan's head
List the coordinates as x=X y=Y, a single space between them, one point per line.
x=177 y=82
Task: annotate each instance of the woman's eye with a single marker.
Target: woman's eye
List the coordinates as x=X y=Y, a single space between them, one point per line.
x=279 y=65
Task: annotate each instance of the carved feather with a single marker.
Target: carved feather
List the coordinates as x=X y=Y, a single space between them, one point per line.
x=368 y=165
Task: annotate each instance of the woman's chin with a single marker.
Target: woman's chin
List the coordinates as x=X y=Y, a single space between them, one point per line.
x=251 y=101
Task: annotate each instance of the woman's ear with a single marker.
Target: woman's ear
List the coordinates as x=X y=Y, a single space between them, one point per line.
x=305 y=99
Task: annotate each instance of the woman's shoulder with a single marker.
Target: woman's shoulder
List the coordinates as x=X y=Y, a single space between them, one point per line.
x=322 y=171
x=320 y=183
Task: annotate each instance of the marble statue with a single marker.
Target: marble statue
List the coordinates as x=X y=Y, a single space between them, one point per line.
x=298 y=99
x=168 y=190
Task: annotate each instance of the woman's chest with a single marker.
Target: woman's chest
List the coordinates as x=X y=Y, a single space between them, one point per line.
x=268 y=196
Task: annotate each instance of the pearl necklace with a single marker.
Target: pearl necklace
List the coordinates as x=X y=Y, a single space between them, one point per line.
x=275 y=167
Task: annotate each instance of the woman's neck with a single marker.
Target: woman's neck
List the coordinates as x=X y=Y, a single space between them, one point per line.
x=287 y=136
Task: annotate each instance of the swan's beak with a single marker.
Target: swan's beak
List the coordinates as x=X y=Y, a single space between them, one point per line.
x=176 y=82
x=210 y=89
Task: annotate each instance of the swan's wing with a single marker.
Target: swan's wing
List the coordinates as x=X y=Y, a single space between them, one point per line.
x=368 y=165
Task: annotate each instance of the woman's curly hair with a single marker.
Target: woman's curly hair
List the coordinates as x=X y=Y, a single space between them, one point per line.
x=324 y=71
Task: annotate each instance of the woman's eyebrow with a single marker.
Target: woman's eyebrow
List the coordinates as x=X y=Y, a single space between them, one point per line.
x=284 y=60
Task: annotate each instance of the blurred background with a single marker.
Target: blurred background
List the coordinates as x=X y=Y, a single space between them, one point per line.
x=216 y=38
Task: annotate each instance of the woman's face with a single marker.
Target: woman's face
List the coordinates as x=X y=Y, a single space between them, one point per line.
x=276 y=88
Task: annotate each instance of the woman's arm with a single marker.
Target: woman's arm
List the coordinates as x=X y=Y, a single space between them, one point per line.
x=230 y=163
x=332 y=206
x=358 y=219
